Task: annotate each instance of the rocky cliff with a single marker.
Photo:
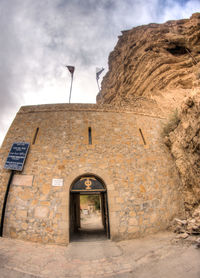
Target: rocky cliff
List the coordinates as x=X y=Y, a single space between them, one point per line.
x=157 y=61
x=161 y=62
x=184 y=143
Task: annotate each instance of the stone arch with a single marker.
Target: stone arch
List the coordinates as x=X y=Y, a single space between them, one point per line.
x=100 y=184
x=104 y=175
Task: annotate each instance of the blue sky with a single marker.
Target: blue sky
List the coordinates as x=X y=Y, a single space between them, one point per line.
x=39 y=37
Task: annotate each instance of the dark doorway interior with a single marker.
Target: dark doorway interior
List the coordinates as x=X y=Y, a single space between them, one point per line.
x=88 y=216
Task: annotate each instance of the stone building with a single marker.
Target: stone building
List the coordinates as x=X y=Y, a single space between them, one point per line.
x=78 y=149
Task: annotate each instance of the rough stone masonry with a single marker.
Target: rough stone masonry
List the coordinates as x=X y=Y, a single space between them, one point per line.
x=126 y=153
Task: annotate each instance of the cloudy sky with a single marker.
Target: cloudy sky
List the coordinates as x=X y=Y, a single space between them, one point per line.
x=38 y=37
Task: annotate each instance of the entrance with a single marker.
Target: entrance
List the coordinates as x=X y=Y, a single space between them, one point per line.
x=88 y=209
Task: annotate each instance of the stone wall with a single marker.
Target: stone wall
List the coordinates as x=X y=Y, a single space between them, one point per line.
x=142 y=182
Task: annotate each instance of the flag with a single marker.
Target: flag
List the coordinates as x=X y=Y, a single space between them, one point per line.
x=71 y=69
x=98 y=72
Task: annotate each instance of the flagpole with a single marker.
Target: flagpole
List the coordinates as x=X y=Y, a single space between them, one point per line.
x=71 y=88
x=98 y=85
x=98 y=72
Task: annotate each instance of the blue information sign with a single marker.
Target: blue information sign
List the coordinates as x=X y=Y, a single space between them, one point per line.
x=17 y=156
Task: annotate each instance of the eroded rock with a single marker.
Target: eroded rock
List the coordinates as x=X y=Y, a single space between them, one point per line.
x=184 y=144
x=189 y=226
x=156 y=61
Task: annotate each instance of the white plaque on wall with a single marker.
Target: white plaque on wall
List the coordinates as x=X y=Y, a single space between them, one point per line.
x=57 y=182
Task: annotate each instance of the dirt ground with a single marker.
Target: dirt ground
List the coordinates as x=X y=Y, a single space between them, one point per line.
x=91 y=221
x=156 y=256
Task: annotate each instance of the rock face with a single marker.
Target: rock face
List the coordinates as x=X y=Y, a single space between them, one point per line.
x=157 y=61
x=184 y=143
x=161 y=62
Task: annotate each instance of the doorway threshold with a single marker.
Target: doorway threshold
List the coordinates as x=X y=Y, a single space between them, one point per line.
x=86 y=235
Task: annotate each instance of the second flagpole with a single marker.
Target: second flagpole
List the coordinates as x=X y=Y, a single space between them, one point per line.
x=98 y=85
x=71 y=88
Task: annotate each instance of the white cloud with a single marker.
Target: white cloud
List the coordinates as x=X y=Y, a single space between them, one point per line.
x=38 y=37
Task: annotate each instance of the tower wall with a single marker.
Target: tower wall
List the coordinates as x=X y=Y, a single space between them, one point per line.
x=143 y=186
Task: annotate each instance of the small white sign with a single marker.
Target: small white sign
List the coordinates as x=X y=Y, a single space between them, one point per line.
x=57 y=182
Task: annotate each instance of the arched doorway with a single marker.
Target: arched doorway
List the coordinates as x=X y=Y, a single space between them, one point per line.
x=91 y=189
